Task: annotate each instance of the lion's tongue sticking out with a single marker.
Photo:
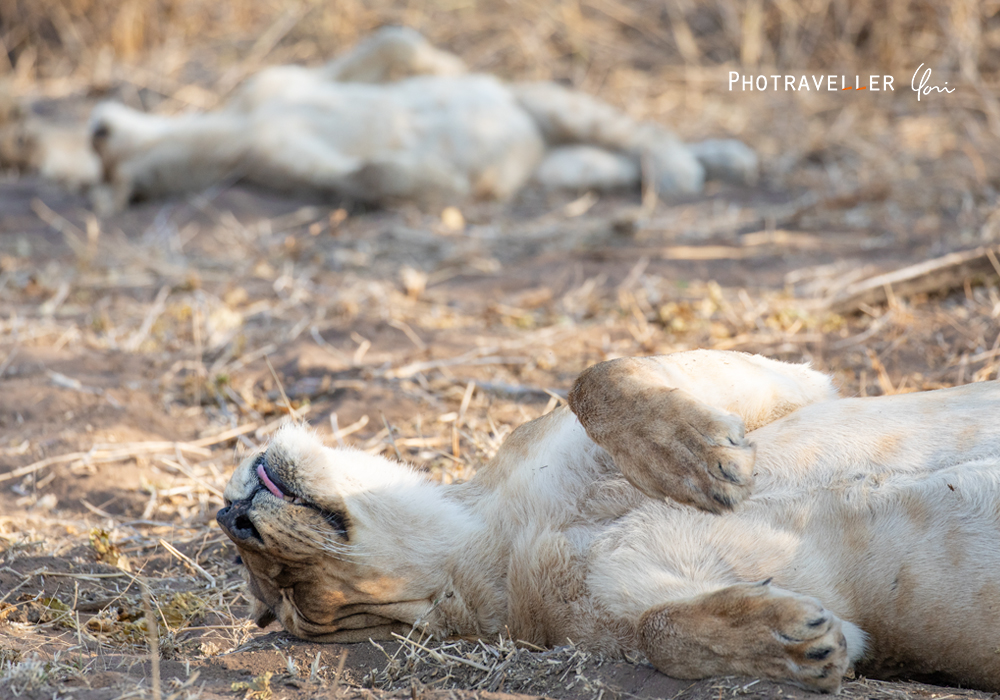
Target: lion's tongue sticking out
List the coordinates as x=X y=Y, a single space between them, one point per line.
x=266 y=480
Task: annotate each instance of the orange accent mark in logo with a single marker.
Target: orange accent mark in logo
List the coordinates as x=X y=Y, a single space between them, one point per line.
x=848 y=88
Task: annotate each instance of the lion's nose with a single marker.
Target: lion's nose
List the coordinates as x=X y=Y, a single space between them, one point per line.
x=235 y=520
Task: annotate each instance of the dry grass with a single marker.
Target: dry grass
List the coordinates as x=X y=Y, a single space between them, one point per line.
x=551 y=39
x=433 y=374
x=135 y=350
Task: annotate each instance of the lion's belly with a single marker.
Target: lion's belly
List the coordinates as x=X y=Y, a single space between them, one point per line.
x=912 y=559
x=887 y=510
x=832 y=444
x=464 y=129
x=879 y=555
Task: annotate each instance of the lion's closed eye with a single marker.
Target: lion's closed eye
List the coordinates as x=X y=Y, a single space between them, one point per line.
x=275 y=477
x=338 y=521
x=335 y=520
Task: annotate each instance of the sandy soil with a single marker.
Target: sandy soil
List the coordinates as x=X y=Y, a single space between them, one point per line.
x=142 y=354
x=131 y=345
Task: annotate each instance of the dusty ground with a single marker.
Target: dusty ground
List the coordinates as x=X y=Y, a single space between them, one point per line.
x=133 y=346
x=142 y=354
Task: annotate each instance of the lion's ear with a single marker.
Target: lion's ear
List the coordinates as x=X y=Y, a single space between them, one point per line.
x=262 y=614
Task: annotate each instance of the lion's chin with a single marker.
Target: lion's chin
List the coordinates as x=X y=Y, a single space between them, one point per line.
x=359 y=623
x=261 y=613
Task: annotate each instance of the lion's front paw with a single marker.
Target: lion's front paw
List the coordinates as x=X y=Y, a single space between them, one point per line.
x=690 y=452
x=666 y=442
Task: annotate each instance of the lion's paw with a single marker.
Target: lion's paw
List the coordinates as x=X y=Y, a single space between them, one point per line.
x=814 y=646
x=666 y=442
x=690 y=452
x=748 y=629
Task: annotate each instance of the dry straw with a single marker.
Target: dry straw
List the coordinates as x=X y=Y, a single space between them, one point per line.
x=198 y=296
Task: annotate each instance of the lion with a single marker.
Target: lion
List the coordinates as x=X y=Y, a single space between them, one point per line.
x=397 y=119
x=722 y=513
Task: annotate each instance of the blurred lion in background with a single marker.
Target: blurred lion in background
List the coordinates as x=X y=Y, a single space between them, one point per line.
x=392 y=119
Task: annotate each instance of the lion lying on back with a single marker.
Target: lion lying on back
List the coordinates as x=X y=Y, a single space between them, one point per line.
x=398 y=119
x=834 y=533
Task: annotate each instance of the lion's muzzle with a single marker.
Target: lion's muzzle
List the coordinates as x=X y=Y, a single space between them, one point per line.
x=236 y=523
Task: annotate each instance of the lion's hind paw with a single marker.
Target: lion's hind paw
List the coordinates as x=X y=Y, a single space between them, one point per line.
x=751 y=629
x=814 y=643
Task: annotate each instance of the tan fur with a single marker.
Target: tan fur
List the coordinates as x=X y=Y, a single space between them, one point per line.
x=396 y=118
x=56 y=152
x=850 y=532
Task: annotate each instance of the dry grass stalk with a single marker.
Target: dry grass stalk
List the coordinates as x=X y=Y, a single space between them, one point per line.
x=939 y=275
x=187 y=560
x=153 y=636
x=101 y=454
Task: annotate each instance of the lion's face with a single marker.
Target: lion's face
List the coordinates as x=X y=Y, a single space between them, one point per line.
x=324 y=534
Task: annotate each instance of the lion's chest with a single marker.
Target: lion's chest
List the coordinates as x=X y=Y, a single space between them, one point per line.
x=549 y=600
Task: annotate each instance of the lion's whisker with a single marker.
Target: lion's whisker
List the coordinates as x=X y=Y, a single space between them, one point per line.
x=330 y=544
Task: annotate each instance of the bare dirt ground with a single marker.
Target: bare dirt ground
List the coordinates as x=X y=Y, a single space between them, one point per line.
x=142 y=354
x=135 y=375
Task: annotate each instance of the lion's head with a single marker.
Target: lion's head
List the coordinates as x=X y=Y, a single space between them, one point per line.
x=338 y=545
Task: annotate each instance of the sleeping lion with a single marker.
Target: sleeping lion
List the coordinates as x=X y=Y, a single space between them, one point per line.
x=397 y=119
x=722 y=513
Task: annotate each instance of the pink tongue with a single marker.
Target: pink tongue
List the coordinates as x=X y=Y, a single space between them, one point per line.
x=267 y=482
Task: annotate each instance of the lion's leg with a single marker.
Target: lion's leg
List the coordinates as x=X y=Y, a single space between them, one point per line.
x=727 y=159
x=675 y=424
x=571 y=117
x=582 y=168
x=681 y=580
x=390 y=54
x=568 y=116
x=751 y=629
x=287 y=153
x=145 y=155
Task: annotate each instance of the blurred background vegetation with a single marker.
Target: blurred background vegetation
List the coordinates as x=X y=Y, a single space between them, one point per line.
x=574 y=40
